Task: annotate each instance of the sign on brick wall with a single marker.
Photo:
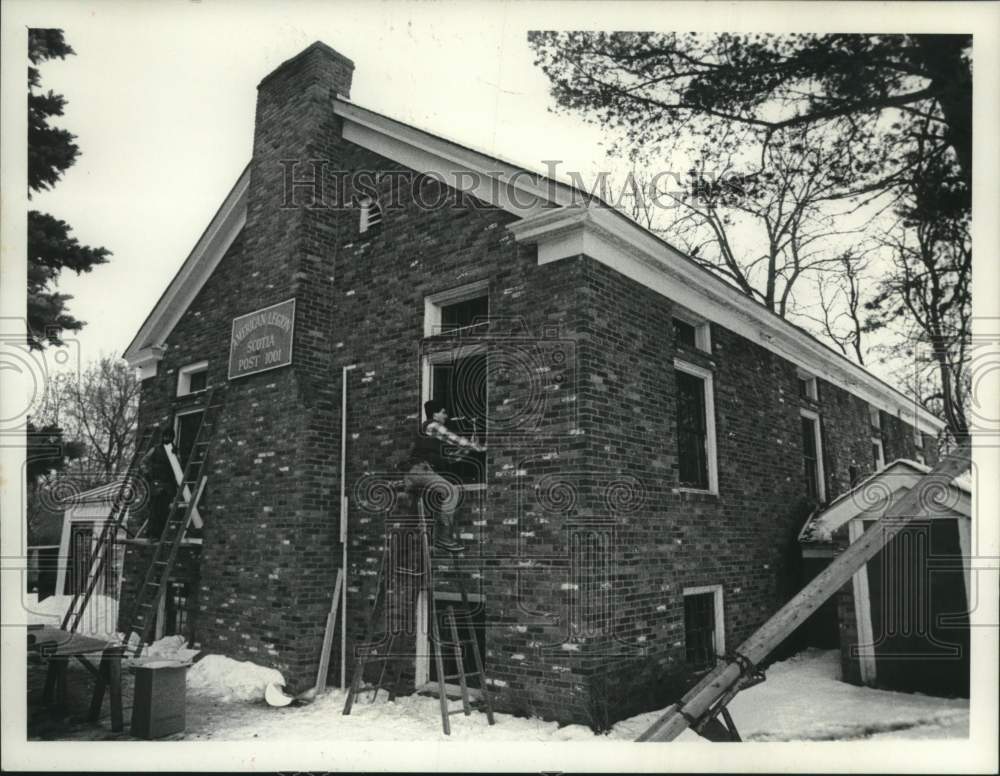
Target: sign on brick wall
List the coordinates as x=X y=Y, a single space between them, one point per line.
x=262 y=340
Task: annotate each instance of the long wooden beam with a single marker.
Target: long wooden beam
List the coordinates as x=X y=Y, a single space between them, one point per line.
x=765 y=639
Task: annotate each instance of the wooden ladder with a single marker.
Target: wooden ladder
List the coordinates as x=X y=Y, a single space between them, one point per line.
x=390 y=568
x=107 y=539
x=154 y=584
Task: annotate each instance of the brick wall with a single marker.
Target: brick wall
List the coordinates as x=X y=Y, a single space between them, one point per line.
x=581 y=543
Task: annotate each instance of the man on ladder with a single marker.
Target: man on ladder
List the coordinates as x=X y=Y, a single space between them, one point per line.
x=429 y=457
x=159 y=473
x=430 y=452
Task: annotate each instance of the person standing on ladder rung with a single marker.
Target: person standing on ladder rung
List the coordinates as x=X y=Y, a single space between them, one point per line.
x=427 y=458
x=159 y=473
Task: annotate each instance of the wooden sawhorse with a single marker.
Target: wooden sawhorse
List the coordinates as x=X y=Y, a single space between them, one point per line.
x=58 y=647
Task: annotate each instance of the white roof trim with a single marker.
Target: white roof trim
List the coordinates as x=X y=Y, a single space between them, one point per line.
x=563 y=222
x=147 y=347
x=876 y=493
x=606 y=236
x=491 y=178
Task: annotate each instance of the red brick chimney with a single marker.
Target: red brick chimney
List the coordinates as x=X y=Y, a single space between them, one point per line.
x=295 y=127
x=289 y=250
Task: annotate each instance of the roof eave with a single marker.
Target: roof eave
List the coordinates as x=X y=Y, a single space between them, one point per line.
x=192 y=275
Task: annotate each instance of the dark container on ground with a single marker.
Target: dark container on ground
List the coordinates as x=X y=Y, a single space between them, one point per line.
x=160 y=701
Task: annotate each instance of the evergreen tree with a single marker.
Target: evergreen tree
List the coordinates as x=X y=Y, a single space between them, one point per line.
x=51 y=248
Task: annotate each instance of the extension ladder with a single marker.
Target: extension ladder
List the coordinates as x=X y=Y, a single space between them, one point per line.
x=154 y=585
x=390 y=569
x=99 y=557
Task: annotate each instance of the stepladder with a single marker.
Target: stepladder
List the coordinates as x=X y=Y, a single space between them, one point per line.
x=404 y=583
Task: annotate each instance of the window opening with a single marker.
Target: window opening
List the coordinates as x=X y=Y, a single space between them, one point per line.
x=699 y=630
x=460 y=383
x=878 y=455
x=684 y=333
x=192 y=378
x=469 y=316
x=810 y=457
x=691 y=432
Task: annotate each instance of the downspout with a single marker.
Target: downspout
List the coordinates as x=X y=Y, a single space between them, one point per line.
x=343 y=524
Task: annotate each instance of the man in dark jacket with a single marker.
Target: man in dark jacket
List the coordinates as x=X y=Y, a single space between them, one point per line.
x=162 y=482
x=430 y=454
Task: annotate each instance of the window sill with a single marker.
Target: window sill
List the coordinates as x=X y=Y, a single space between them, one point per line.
x=697 y=492
x=683 y=349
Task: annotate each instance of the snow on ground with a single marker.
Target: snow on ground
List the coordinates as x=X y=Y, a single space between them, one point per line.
x=230 y=680
x=99 y=618
x=171 y=649
x=802 y=699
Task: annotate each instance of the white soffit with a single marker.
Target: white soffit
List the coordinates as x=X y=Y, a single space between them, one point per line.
x=501 y=184
x=610 y=238
x=563 y=222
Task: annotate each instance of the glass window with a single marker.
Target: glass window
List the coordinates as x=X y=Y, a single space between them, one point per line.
x=467 y=316
x=185 y=433
x=691 y=432
x=198 y=381
x=699 y=630
x=810 y=458
x=192 y=378
x=460 y=382
x=684 y=333
x=878 y=455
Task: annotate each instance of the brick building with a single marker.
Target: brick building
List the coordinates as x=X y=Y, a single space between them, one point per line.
x=656 y=439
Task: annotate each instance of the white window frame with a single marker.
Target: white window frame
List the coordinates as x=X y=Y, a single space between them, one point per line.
x=720 y=614
x=812 y=391
x=433 y=303
x=97 y=514
x=370 y=214
x=881 y=453
x=442 y=357
x=820 y=469
x=708 y=383
x=874 y=417
x=702 y=330
x=177 y=420
x=918 y=437
x=426 y=374
x=196 y=518
x=184 y=378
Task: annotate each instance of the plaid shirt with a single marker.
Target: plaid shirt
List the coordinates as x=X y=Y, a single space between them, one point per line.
x=430 y=445
x=438 y=430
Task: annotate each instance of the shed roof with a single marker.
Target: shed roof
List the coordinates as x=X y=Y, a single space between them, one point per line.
x=875 y=494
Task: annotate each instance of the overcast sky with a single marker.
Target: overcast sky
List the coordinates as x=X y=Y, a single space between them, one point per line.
x=162 y=94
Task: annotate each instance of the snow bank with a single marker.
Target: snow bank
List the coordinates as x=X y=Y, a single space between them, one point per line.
x=173 y=648
x=804 y=699
x=100 y=618
x=231 y=680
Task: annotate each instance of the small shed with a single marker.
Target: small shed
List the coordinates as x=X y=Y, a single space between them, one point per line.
x=903 y=620
x=84 y=517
